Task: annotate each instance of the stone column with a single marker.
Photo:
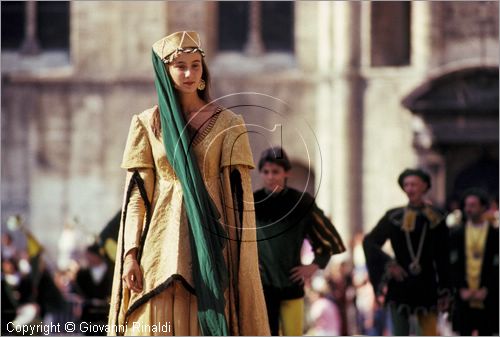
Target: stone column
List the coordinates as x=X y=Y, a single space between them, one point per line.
x=325 y=163
x=254 y=45
x=421 y=35
x=340 y=124
x=422 y=41
x=30 y=44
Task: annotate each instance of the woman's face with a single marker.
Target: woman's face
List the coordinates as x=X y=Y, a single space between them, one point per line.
x=186 y=70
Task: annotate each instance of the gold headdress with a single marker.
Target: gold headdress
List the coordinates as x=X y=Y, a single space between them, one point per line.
x=179 y=42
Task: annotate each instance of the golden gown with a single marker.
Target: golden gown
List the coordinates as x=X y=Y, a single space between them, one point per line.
x=168 y=294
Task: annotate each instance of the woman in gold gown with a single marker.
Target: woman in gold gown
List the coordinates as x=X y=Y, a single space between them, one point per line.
x=187 y=259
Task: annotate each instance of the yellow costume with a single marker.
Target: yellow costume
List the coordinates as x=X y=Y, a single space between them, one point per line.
x=168 y=294
x=475 y=241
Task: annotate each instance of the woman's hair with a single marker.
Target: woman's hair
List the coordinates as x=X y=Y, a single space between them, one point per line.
x=275 y=155
x=203 y=94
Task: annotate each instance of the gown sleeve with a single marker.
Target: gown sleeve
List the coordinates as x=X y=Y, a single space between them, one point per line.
x=236 y=147
x=136 y=212
x=245 y=300
x=138 y=153
x=138 y=161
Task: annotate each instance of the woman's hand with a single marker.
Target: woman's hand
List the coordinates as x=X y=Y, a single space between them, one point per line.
x=132 y=274
x=302 y=273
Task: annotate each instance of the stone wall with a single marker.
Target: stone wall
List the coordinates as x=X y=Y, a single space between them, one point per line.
x=64 y=127
x=465 y=30
x=62 y=150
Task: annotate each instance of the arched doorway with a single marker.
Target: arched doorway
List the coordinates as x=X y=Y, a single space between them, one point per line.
x=482 y=173
x=456 y=130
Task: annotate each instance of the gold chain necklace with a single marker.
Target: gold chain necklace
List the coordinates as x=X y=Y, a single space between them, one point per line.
x=415 y=267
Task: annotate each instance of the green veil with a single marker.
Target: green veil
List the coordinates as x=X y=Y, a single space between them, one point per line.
x=206 y=232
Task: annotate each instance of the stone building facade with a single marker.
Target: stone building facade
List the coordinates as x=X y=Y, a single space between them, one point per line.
x=361 y=91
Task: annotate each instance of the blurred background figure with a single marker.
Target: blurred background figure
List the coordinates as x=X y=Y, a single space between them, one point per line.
x=474 y=253
x=285 y=218
x=9 y=250
x=33 y=291
x=29 y=284
x=492 y=213
x=16 y=291
x=371 y=316
x=417 y=277
x=323 y=315
x=338 y=276
x=109 y=235
x=93 y=284
x=71 y=245
x=454 y=217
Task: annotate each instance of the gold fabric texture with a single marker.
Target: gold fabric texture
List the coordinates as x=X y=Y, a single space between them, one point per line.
x=166 y=249
x=172 y=312
x=410 y=216
x=475 y=241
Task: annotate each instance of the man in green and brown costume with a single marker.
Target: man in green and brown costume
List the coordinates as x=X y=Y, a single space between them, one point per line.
x=285 y=218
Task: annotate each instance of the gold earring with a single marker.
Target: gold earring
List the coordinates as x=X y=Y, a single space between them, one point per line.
x=202 y=85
